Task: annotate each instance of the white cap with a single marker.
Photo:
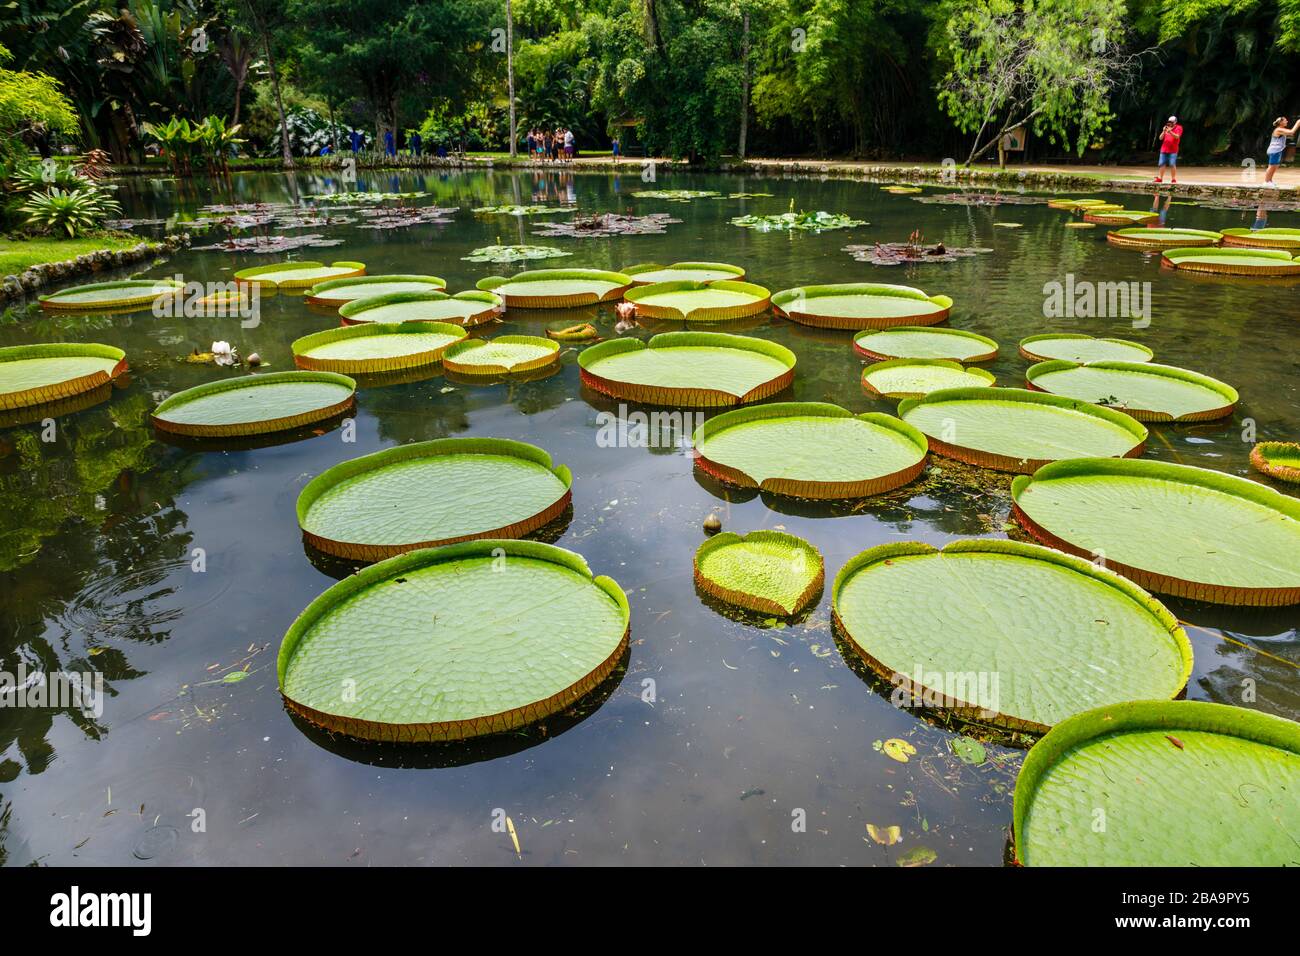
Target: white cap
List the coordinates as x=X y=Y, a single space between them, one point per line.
x=1173 y=119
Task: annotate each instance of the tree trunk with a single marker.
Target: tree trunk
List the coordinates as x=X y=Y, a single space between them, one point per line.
x=239 y=91
x=510 y=78
x=744 y=84
x=279 y=103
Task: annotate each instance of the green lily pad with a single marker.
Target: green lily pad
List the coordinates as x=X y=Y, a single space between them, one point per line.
x=1174 y=529
x=1061 y=202
x=557 y=288
x=128 y=293
x=1145 y=390
x=431 y=493
x=1270 y=237
x=371 y=348
x=810 y=450
x=1013 y=429
x=912 y=378
x=914 y=341
x=861 y=305
x=1163 y=784
x=811 y=221
x=1076 y=347
x=448 y=643
x=765 y=571
x=299 y=275
x=717 y=301
x=676 y=195
x=464 y=308
x=1157 y=238
x=1118 y=217
x=1239 y=262
x=1006 y=632
x=684 y=272
x=516 y=253
x=255 y=404
x=688 y=368
x=36 y=374
x=1277 y=459
x=338 y=291
x=503 y=355
x=510 y=209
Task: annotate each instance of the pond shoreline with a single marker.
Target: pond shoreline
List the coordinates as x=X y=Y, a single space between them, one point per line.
x=20 y=284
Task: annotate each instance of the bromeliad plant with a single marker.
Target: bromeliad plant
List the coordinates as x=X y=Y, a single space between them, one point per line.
x=74 y=212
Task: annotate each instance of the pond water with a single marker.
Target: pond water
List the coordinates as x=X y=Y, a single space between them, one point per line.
x=720 y=731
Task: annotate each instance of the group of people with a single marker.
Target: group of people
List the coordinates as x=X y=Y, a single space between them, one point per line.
x=551 y=146
x=1171 y=138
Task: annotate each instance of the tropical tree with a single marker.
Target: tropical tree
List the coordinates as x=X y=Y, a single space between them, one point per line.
x=32 y=105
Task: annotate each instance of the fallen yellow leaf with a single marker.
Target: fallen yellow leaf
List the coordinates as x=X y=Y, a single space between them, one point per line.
x=897 y=749
x=886 y=836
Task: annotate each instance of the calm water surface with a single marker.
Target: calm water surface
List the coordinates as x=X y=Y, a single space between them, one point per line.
x=748 y=723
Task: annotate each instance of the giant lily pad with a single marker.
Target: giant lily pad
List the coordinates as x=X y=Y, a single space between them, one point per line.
x=1233 y=262
x=766 y=571
x=1158 y=238
x=688 y=301
x=810 y=450
x=1175 y=529
x=688 y=368
x=127 y=294
x=557 y=288
x=861 y=305
x=1012 y=633
x=1270 y=237
x=36 y=374
x=1119 y=217
x=464 y=308
x=298 y=275
x=1077 y=347
x=911 y=378
x=1176 y=783
x=448 y=643
x=1147 y=391
x=255 y=404
x=375 y=347
x=1013 y=429
x=1277 y=459
x=915 y=341
x=1062 y=202
x=683 y=272
x=339 y=291
x=503 y=355
x=431 y=493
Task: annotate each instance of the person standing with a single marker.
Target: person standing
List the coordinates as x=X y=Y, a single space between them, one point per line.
x=568 y=144
x=1277 y=146
x=615 y=148
x=1170 y=140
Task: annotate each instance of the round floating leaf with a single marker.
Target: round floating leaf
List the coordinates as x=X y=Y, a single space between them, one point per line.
x=1071 y=347
x=375 y=347
x=503 y=355
x=861 y=305
x=810 y=450
x=1013 y=429
x=126 y=294
x=448 y=643
x=766 y=571
x=912 y=378
x=1181 y=783
x=1145 y=390
x=557 y=288
x=36 y=374
x=1119 y=217
x=338 y=291
x=518 y=253
x=716 y=301
x=1155 y=238
x=912 y=341
x=431 y=493
x=464 y=308
x=255 y=404
x=1277 y=459
x=1013 y=633
x=1064 y=203
x=688 y=368
x=1270 y=237
x=1233 y=262
x=299 y=275
x=684 y=272
x=1080 y=225
x=1175 y=529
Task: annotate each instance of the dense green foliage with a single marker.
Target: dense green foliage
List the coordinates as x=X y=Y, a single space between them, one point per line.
x=685 y=78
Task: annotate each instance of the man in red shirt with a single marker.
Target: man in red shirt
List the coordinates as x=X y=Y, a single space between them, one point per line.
x=1170 y=137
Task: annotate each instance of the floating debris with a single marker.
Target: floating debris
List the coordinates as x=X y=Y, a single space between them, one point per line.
x=403 y=216
x=981 y=199
x=609 y=224
x=268 y=244
x=367 y=197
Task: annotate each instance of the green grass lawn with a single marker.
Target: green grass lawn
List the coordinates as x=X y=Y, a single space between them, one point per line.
x=18 y=254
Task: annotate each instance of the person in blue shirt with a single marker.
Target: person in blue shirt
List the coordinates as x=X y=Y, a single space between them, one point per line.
x=355 y=139
x=389 y=147
x=415 y=143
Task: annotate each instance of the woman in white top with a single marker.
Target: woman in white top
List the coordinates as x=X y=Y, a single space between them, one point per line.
x=1277 y=146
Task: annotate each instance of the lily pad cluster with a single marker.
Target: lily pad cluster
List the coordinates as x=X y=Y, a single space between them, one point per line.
x=516 y=253
x=608 y=224
x=816 y=221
